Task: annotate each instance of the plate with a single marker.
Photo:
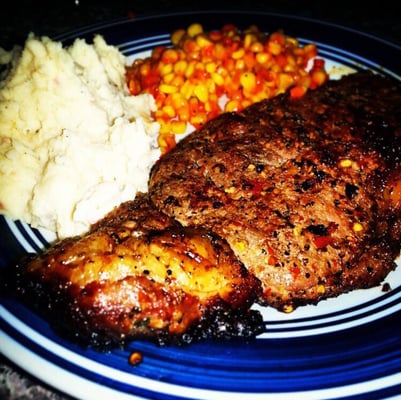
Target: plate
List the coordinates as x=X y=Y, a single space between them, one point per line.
x=347 y=347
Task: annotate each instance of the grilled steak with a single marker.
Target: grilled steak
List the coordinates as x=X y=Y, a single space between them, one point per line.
x=139 y=274
x=306 y=191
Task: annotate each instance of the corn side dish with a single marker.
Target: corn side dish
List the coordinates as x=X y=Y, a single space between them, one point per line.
x=206 y=73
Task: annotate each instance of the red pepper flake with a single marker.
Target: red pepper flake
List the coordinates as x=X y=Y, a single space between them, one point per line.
x=272 y=259
x=295 y=271
x=135 y=358
x=202 y=170
x=270 y=250
x=332 y=227
x=297 y=91
x=256 y=186
x=322 y=241
x=236 y=223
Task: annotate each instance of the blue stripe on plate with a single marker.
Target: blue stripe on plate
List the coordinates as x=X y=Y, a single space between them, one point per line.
x=362 y=361
x=239 y=370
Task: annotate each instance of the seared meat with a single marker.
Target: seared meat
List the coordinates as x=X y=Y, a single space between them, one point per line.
x=139 y=274
x=287 y=203
x=306 y=191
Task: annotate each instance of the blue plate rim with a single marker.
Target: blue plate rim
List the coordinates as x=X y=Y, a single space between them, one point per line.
x=393 y=389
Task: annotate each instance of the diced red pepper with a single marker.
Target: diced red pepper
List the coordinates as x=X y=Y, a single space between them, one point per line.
x=322 y=241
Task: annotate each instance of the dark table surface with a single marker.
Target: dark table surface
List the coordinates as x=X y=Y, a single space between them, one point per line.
x=50 y=18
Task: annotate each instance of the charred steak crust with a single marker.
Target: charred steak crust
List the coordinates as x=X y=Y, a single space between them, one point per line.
x=306 y=191
x=139 y=274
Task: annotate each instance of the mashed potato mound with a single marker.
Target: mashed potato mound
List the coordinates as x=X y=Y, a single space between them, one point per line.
x=73 y=142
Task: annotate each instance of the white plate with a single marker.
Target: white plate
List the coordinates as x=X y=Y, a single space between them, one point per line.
x=347 y=347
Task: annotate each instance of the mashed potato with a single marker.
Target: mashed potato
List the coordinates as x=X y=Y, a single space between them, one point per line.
x=73 y=142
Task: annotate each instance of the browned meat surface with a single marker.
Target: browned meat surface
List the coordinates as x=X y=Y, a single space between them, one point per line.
x=306 y=191
x=139 y=274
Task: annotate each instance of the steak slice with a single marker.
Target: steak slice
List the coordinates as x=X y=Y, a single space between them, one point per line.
x=306 y=191
x=139 y=274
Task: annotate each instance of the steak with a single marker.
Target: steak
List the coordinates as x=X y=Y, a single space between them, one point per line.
x=139 y=274
x=306 y=191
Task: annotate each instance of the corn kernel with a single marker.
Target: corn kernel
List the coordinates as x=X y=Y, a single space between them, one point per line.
x=168 y=78
x=195 y=29
x=238 y=54
x=292 y=41
x=166 y=69
x=167 y=88
x=177 y=80
x=232 y=105
x=310 y=49
x=198 y=120
x=201 y=93
x=285 y=80
x=274 y=48
x=248 y=40
x=240 y=246
x=164 y=129
x=169 y=111
x=190 y=69
x=320 y=289
x=202 y=41
x=288 y=308
x=180 y=67
x=319 y=77
x=170 y=56
x=357 y=227
x=166 y=140
x=187 y=90
x=209 y=106
x=178 y=127
x=178 y=100
x=297 y=230
x=248 y=81
x=144 y=69
x=240 y=64
x=230 y=190
x=218 y=79
x=257 y=47
x=177 y=35
x=262 y=58
x=210 y=67
x=246 y=103
x=183 y=113
x=345 y=163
